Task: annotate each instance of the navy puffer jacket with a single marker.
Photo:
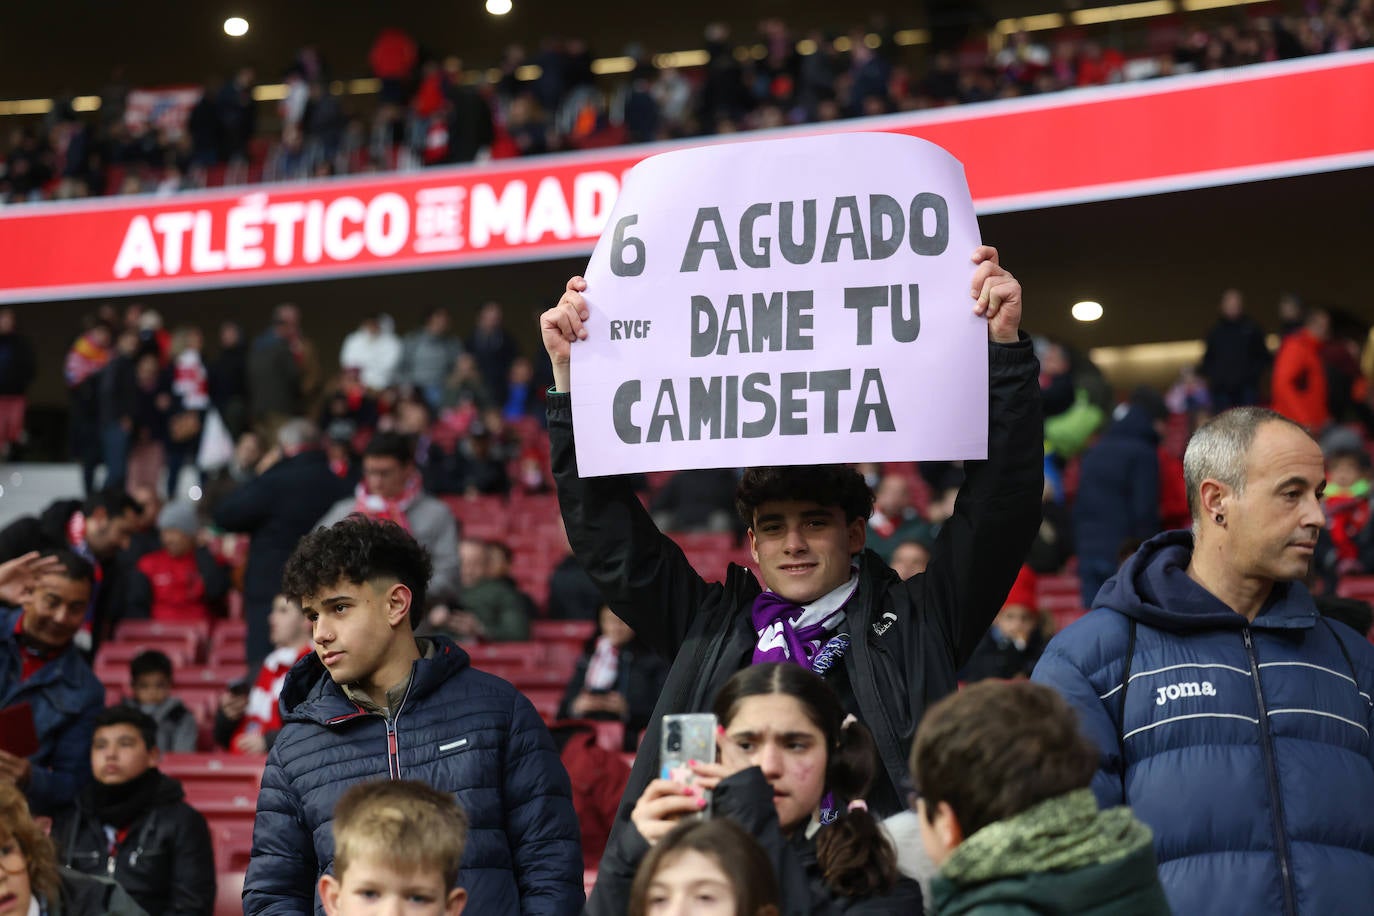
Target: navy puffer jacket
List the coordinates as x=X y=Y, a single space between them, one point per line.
x=1244 y=745
x=457 y=729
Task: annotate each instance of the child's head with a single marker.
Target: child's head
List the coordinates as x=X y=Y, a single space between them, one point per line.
x=1347 y=467
x=177 y=525
x=286 y=625
x=123 y=746
x=150 y=674
x=991 y=751
x=705 y=868
x=787 y=721
x=396 y=841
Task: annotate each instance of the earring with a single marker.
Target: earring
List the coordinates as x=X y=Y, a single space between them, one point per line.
x=1220 y=518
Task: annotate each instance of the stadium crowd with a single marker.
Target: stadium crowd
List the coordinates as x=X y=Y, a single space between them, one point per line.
x=429 y=110
x=436 y=470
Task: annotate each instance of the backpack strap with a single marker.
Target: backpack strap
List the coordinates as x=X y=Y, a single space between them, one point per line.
x=1121 y=705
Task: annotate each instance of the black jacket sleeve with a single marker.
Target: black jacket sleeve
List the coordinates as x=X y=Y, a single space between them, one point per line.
x=193 y=868
x=215 y=576
x=981 y=547
x=643 y=574
x=138 y=596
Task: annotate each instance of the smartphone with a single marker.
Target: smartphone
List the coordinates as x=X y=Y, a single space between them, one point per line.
x=241 y=687
x=690 y=736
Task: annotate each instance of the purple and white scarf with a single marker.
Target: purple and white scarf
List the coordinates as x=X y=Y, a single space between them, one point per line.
x=793 y=632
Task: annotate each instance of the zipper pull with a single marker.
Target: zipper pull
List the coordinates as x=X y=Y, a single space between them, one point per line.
x=110 y=866
x=1245 y=631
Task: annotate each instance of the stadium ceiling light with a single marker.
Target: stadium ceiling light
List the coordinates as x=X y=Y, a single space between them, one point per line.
x=499 y=7
x=1087 y=310
x=236 y=27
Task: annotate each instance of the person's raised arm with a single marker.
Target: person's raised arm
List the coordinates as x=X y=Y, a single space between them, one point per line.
x=981 y=547
x=642 y=574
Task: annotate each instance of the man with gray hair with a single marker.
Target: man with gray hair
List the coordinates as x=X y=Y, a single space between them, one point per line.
x=294 y=487
x=1229 y=715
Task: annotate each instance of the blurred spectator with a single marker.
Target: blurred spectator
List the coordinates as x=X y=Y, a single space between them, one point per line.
x=1077 y=398
x=392 y=490
x=203 y=127
x=598 y=779
x=276 y=509
x=118 y=400
x=470 y=132
x=697 y=500
x=393 y=57
x=618 y=678
x=227 y=375
x=249 y=715
x=17 y=371
x=490 y=607
x=1014 y=642
x=95 y=530
x=280 y=370
x=572 y=593
x=483 y=461
x=182 y=581
x=143 y=534
x=909 y=558
x=33 y=882
x=242 y=467
x=1347 y=505
x=1236 y=356
x=1118 y=490
x=150 y=692
x=133 y=824
x=154 y=407
x=464 y=388
x=237 y=116
x=1053 y=544
x=1189 y=397
x=894 y=518
x=1299 y=383
x=494 y=350
x=89 y=354
x=373 y=351
x=523 y=398
x=427 y=356
x=41 y=666
x=191 y=397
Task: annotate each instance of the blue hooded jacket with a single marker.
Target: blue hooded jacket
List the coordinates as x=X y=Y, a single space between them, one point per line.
x=457 y=729
x=1245 y=746
x=65 y=697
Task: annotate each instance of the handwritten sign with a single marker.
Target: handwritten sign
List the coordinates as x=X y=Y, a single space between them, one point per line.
x=791 y=301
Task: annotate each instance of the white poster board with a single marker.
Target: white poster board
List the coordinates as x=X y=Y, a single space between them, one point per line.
x=795 y=301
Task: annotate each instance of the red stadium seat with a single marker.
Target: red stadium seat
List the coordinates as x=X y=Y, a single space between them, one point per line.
x=121 y=653
x=208 y=675
x=229 y=898
x=214 y=767
x=546 y=702
x=549 y=630
x=233 y=845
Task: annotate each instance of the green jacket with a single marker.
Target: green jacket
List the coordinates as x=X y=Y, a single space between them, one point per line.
x=1060 y=856
x=503 y=610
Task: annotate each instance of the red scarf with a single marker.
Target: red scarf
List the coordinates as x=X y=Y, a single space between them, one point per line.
x=391 y=510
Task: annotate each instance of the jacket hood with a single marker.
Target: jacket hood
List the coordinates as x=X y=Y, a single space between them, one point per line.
x=1153 y=587
x=1136 y=424
x=309 y=694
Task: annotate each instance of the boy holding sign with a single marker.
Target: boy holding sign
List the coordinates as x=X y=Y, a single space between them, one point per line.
x=889 y=648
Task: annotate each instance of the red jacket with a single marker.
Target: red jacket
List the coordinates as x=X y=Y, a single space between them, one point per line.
x=598 y=779
x=1299 y=385
x=178 y=590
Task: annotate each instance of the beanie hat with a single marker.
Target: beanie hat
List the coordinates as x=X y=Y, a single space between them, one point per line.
x=1022 y=592
x=179 y=516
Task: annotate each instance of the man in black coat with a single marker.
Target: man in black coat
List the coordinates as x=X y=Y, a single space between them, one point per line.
x=1236 y=356
x=277 y=508
x=161 y=851
x=889 y=648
